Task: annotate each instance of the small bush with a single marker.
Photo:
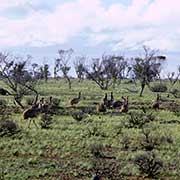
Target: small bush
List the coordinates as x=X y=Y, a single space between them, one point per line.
x=55 y=102
x=159 y=88
x=3 y=103
x=149 y=141
x=148 y=164
x=95 y=130
x=107 y=168
x=125 y=141
x=138 y=119
x=46 y=120
x=30 y=101
x=175 y=93
x=78 y=115
x=7 y=127
x=88 y=110
x=103 y=166
x=97 y=150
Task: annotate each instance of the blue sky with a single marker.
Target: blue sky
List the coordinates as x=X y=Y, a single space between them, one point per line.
x=90 y=27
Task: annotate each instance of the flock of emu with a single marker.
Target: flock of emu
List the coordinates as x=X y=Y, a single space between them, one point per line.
x=43 y=106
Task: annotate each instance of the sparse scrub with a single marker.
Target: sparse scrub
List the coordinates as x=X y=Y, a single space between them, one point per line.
x=138 y=119
x=117 y=140
x=149 y=165
x=103 y=166
x=175 y=92
x=149 y=141
x=55 y=102
x=3 y=103
x=125 y=142
x=46 y=120
x=78 y=115
x=7 y=127
x=159 y=87
x=95 y=130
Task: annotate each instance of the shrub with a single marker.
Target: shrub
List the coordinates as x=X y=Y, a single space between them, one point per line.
x=149 y=141
x=7 y=127
x=46 y=120
x=103 y=166
x=95 y=130
x=3 y=103
x=88 y=110
x=97 y=150
x=107 y=168
x=159 y=88
x=148 y=164
x=30 y=101
x=55 y=102
x=175 y=93
x=125 y=141
x=78 y=115
x=138 y=119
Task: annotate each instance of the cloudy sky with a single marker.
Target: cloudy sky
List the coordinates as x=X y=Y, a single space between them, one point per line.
x=90 y=27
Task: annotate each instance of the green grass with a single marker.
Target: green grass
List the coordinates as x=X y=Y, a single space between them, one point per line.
x=63 y=151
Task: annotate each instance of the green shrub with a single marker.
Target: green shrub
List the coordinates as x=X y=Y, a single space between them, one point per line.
x=55 y=102
x=7 y=127
x=175 y=93
x=46 y=120
x=3 y=103
x=159 y=88
x=148 y=164
x=104 y=166
x=78 y=115
x=149 y=141
x=138 y=119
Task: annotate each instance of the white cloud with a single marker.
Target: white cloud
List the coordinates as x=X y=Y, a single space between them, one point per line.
x=155 y=23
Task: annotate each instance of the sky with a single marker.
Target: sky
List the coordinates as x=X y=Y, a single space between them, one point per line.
x=90 y=27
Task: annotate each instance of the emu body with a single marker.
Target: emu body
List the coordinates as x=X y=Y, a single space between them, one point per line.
x=124 y=106
x=75 y=100
x=156 y=103
x=100 y=107
x=30 y=114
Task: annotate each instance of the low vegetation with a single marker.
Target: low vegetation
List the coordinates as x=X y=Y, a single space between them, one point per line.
x=106 y=125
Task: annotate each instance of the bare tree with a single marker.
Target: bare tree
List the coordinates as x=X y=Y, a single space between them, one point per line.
x=118 y=67
x=16 y=76
x=173 y=78
x=147 y=68
x=106 y=71
x=61 y=64
x=35 y=67
x=79 y=65
x=44 y=72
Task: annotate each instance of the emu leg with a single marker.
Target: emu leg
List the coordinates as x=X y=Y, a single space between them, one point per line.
x=29 y=123
x=35 y=123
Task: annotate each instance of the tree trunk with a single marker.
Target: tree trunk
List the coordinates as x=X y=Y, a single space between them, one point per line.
x=142 y=89
x=69 y=82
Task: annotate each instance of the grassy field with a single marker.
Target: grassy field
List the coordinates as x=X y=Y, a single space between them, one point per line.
x=103 y=143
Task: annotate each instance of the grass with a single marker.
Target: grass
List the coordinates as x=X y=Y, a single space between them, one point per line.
x=63 y=151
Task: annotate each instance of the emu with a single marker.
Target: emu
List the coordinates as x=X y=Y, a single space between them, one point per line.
x=117 y=104
x=75 y=100
x=31 y=113
x=46 y=106
x=108 y=103
x=100 y=107
x=156 y=104
x=124 y=107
